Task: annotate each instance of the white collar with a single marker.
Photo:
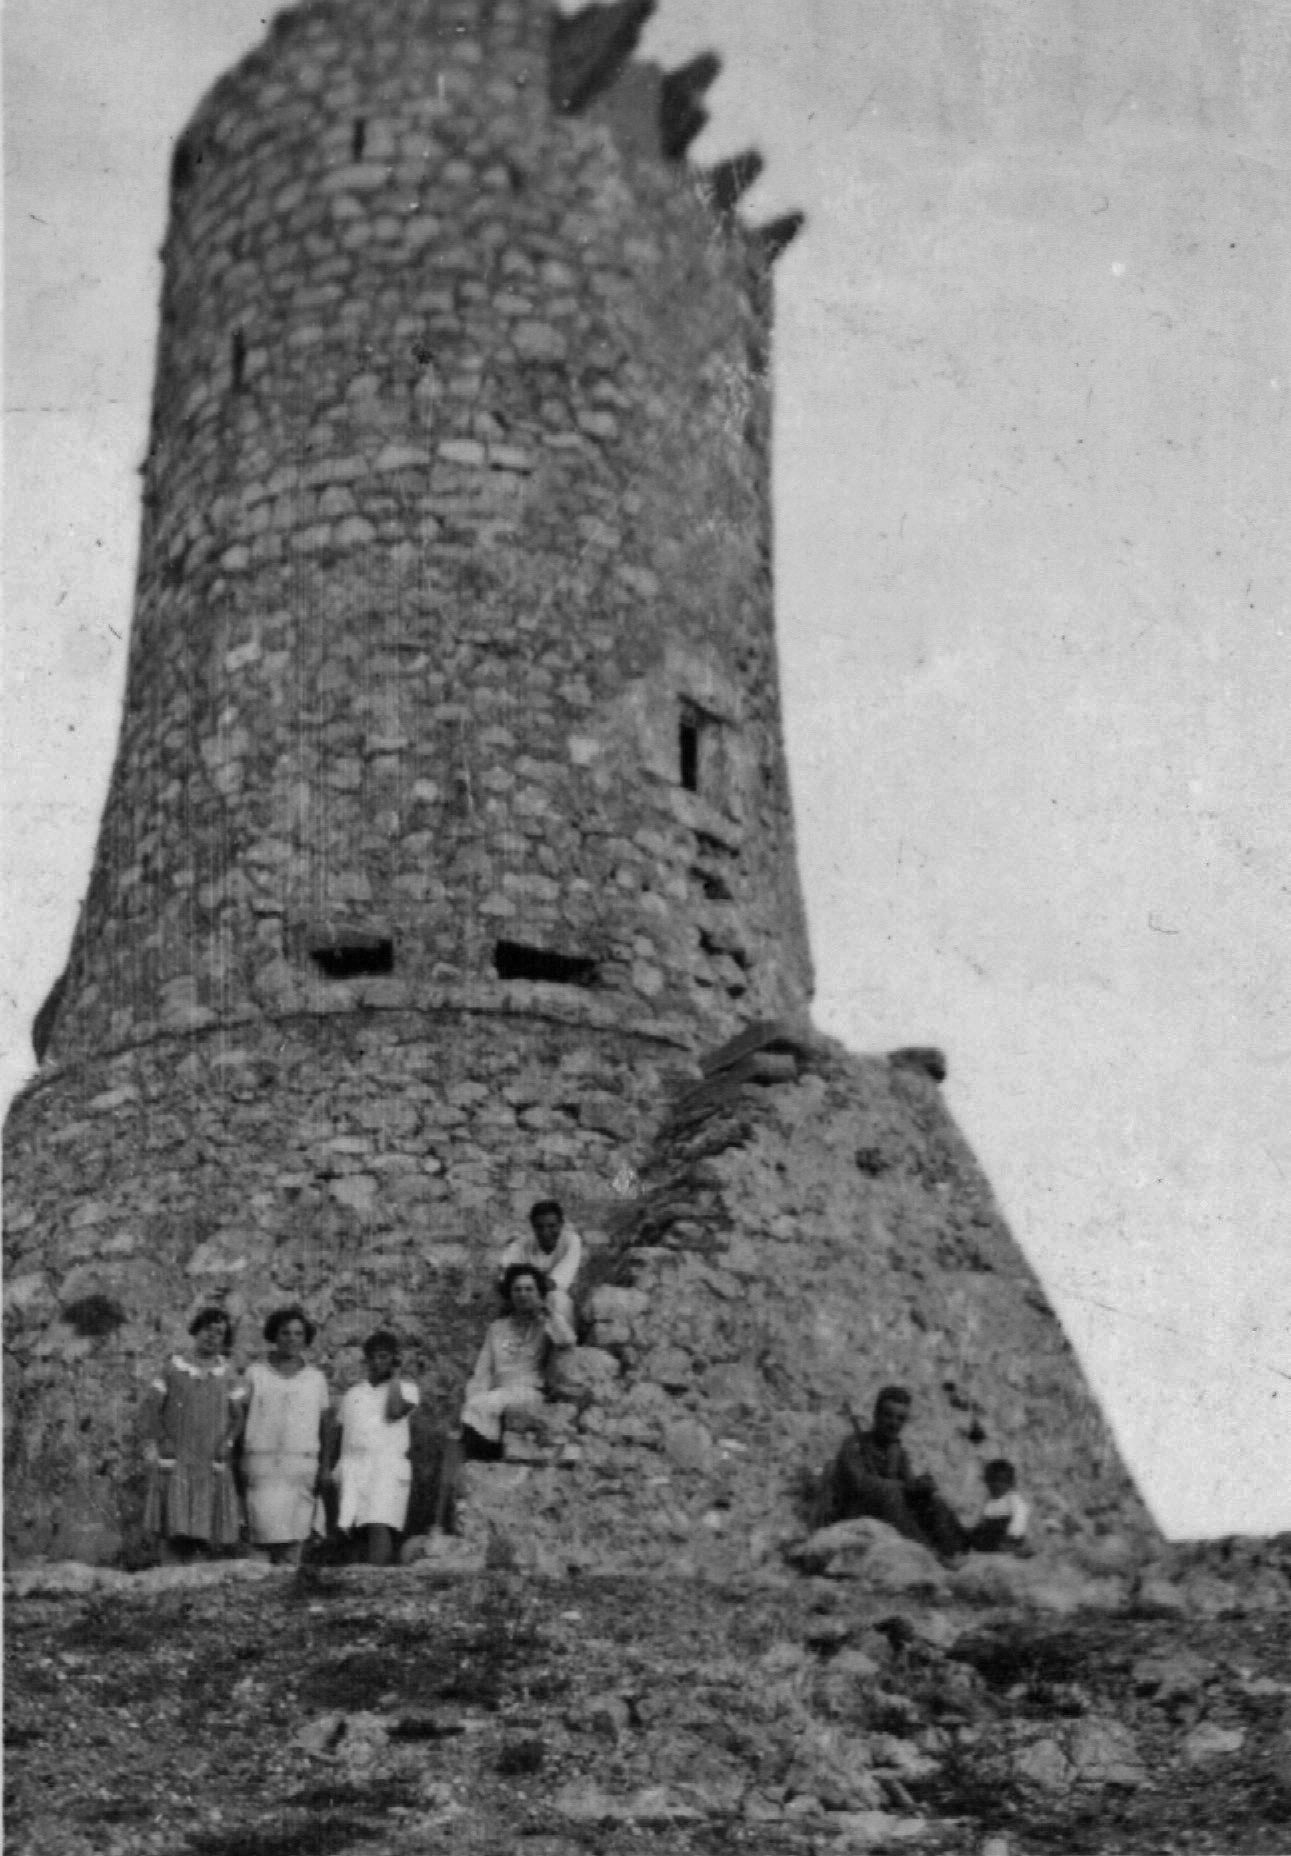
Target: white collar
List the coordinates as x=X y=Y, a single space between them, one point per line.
x=215 y=1371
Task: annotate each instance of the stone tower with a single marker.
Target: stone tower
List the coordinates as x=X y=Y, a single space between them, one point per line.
x=449 y=822
x=453 y=671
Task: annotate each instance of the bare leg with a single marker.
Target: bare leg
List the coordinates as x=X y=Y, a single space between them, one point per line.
x=450 y=1477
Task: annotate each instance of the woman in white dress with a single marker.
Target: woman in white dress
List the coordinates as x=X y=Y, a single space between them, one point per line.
x=512 y=1370
x=283 y=1439
x=374 y=1474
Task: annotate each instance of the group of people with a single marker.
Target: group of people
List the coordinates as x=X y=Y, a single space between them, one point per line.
x=872 y=1477
x=267 y=1444
x=267 y=1441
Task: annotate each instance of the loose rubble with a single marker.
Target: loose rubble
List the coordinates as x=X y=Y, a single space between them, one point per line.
x=217 y=1714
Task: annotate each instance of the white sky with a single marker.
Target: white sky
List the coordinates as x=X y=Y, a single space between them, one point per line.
x=1032 y=371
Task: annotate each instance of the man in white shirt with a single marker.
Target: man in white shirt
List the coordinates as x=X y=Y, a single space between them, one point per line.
x=554 y=1248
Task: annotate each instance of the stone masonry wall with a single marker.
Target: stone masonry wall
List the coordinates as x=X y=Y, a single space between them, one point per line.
x=366 y=1165
x=453 y=641
x=811 y=1227
x=455 y=513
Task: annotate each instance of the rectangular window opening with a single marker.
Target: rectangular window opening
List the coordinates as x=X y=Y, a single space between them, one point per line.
x=713 y=884
x=351 y=954
x=512 y=960
x=359 y=139
x=239 y=359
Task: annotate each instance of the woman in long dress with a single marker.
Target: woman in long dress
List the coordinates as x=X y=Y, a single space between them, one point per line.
x=283 y=1439
x=192 y=1417
x=374 y=1473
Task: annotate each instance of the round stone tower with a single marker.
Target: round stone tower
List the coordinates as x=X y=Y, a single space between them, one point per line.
x=453 y=671
x=450 y=815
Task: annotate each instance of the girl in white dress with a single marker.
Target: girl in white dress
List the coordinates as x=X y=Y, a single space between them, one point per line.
x=374 y=1473
x=283 y=1439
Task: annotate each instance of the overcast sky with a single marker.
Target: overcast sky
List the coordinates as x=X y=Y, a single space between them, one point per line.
x=1033 y=559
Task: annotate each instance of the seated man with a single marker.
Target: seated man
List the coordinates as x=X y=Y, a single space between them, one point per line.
x=1002 y=1527
x=552 y=1247
x=872 y=1477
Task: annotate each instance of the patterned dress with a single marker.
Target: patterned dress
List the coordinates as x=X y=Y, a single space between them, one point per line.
x=191 y=1495
x=280 y=1452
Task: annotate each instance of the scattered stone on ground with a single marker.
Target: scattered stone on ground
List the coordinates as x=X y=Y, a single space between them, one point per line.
x=447 y=1706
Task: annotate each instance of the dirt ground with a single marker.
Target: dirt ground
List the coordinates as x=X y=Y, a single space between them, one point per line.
x=335 y=1711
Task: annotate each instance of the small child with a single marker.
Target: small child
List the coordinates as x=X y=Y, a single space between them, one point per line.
x=1003 y=1524
x=374 y=1474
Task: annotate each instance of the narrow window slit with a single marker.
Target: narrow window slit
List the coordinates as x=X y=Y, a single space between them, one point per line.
x=359 y=139
x=688 y=748
x=182 y=166
x=239 y=359
x=512 y=960
x=713 y=884
x=352 y=953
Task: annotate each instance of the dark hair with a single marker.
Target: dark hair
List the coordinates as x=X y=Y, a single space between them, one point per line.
x=213 y=1317
x=893 y=1395
x=281 y=1316
x=523 y=1269
x=382 y=1339
x=999 y=1466
x=546 y=1205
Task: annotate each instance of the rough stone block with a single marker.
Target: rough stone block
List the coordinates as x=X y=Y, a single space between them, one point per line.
x=611 y=1304
x=465 y=451
x=400 y=457
x=689 y=1445
x=538 y=341
x=873 y=1552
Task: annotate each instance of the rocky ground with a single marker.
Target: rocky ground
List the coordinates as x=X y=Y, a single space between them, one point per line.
x=832 y=1704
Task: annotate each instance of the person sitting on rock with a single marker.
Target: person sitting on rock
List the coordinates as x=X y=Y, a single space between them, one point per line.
x=1002 y=1527
x=552 y=1247
x=372 y=1440
x=871 y=1477
x=511 y=1373
x=510 y=1379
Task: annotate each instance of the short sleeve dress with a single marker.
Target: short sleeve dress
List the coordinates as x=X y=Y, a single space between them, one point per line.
x=280 y=1452
x=191 y=1494
x=374 y=1470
